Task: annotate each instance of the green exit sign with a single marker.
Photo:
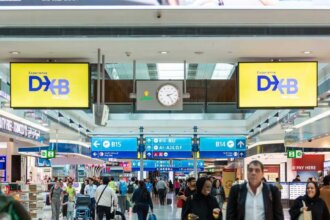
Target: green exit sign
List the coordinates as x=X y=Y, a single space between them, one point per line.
x=295 y=153
x=51 y=154
x=47 y=154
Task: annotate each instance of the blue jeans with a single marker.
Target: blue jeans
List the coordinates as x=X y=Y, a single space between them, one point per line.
x=142 y=212
x=93 y=207
x=70 y=215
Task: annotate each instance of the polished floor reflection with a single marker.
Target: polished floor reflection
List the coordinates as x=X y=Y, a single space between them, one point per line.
x=167 y=212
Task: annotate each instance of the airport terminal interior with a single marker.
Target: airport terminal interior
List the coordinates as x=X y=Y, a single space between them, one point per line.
x=154 y=95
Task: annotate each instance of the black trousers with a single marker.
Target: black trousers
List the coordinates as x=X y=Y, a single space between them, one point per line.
x=142 y=212
x=104 y=210
x=162 y=195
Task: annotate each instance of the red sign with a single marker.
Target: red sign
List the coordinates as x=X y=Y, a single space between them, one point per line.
x=308 y=162
x=127 y=166
x=271 y=168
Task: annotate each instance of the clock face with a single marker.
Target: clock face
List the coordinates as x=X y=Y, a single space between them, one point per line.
x=168 y=95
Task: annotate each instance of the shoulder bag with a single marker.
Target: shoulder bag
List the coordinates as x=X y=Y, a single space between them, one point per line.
x=305 y=215
x=97 y=203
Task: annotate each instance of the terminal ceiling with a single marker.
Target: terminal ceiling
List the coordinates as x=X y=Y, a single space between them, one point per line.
x=203 y=51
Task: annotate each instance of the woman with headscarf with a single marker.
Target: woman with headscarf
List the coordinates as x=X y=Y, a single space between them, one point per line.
x=202 y=205
x=313 y=203
x=218 y=192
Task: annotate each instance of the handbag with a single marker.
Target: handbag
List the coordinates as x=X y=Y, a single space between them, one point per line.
x=152 y=216
x=305 y=215
x=179 y=203
x=134 y=210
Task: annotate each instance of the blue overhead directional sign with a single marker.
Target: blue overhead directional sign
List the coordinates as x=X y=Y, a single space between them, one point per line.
x=152 y=165
x=224 y=147
x=103 y=147
x=187 y=165
x=172 y=147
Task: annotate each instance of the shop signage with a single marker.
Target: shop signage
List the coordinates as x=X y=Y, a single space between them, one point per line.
x=49 y=85
x=222 y=147
x=277 y=85
x=3 y=161
x=164 y=148
x=127 y=166
x=308 y=162
x=13 y=127
x=295 y=153
x=107 y=147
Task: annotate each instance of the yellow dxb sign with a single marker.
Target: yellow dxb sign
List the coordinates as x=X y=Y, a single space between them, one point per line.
x=49 y=85
x=277 y=85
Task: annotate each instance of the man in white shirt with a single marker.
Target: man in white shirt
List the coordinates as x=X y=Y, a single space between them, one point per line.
x=90 y=190
x=254 y=199
x=106 y=200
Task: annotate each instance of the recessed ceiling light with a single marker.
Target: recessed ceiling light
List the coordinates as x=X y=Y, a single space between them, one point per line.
x=307 y=52
x=199 y=52
x=14 y=52
x=163 y=52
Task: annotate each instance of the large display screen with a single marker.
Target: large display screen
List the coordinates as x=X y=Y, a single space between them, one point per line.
x=277 y=85
x=49 y=85
x=177 y=3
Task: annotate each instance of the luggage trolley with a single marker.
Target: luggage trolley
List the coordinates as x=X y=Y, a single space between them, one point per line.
x=83 y=204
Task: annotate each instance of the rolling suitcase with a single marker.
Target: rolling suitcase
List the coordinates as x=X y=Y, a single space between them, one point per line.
x=119 y=216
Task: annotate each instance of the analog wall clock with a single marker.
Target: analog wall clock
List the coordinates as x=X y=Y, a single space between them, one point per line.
x=168 y=95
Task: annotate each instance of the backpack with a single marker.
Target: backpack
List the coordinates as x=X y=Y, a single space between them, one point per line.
x=7 y=209
x=149 y=187
x=130 y=188
x=122 y=188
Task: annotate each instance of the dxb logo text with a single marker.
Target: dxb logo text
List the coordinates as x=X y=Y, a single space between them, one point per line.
x=55 y=86
x=287 y=86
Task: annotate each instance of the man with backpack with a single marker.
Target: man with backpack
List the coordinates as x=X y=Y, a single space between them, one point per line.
x=254 y=199
x=122 y=195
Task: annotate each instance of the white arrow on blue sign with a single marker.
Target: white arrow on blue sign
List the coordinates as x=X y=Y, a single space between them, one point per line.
x=96 y=144
x=241 y=144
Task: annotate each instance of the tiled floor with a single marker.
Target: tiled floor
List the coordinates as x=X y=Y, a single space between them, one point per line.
x=168 y=212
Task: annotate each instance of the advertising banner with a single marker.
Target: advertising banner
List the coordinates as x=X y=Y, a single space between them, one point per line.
x=164 y=148
x=308 y=162
x=277 y=85
x=173 y=3
x=49 y=85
